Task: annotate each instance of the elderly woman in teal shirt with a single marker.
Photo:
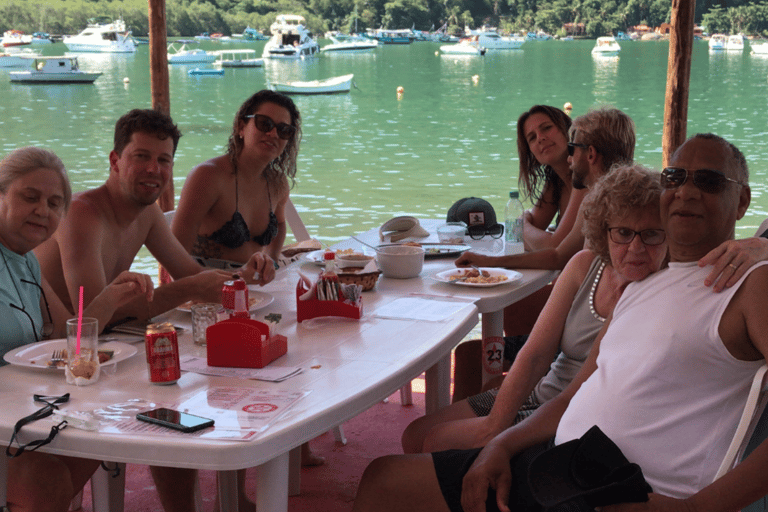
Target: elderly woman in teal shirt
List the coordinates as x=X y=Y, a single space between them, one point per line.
x=34 y=195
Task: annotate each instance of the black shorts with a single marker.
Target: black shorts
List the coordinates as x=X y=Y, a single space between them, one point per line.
x=452 y=465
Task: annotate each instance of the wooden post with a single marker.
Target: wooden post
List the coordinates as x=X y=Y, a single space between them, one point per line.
x=161 y=99
x=158 y=69
x=678 y=77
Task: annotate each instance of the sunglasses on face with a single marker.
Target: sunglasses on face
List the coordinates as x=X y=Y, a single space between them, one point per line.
x=266 y=124
x=477 y=232
x=647 y=236
x=573 y=145
x=707 y=180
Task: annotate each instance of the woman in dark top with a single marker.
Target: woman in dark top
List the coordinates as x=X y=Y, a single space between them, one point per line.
x=234 y=204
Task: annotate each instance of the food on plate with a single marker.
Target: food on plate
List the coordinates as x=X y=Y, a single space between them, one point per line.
x=347 y=252
x=252 y=302
x=105 y=355
x=299 y=247
x=412 y=244
x=477 y=277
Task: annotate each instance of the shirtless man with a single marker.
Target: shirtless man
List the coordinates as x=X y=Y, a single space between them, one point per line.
x=666 y=379
x=106 y=226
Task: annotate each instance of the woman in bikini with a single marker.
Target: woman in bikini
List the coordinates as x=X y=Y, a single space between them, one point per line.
x=233 y=205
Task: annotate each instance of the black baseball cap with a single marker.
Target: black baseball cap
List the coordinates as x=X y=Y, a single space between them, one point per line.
x=477 y=214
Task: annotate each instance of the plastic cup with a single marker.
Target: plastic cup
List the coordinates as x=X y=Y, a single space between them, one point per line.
x=452 y=233
x=83 y=367
x=204 y=315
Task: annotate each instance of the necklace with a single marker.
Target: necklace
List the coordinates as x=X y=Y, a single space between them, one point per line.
x=592 y=292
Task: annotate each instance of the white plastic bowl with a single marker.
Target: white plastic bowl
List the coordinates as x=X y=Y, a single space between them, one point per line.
x=400 y=261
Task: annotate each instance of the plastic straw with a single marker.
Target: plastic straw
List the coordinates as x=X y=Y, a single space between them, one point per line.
x=79 y=320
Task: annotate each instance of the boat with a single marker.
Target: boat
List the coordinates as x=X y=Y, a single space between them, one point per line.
x=490 y=39
x=20 y=59
x=463 y=47
x=54 y=70
x=251 y=34
x=181 y=55
x=239 y=59
x=718 y=42
x=353 y=44
x=606 y=45
x=332 y=85
x=41 y=38
x=205 y=36
x=203 y=71
x=759 y=48
x=104 y=36
x=16 y=38
x=290 y=39
x=735 y=43
x=402 y=36
x=221 y=38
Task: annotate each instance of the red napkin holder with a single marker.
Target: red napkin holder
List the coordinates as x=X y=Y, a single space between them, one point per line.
x=313 y=308
x=237 y=343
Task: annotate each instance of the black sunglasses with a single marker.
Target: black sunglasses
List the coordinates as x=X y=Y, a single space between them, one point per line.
x=648 y=236
x=707 y=180
x=573 y=145
x=266 y=124
x=51 y=404
x=47 y=330
x=477 y=231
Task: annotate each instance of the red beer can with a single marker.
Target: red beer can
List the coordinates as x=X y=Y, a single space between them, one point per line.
x=162 y=353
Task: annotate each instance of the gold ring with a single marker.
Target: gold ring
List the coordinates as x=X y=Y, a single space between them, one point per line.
x=734 y=267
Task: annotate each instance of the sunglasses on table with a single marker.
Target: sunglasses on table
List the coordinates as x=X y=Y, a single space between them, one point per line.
x=477 y=232
x=51 y=403
x=266 y=124
x=573 y=145
x=647 y=236
x=706 y=180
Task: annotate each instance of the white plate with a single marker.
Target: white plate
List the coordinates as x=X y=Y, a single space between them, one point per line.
x=263 y=299
x=316 y=257
x=445 y=276
x=37 y=355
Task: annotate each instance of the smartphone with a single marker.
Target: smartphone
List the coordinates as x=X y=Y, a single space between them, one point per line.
x=175 y=419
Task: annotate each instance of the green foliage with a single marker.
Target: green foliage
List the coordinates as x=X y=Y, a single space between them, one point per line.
x=191 y=17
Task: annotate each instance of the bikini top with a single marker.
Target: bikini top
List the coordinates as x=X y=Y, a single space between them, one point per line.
x=235 y=232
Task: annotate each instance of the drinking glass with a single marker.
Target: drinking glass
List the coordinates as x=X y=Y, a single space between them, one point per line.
x=203 y=316
x=83 y=366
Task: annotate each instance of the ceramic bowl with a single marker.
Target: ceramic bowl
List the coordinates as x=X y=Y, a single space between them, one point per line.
x=353 y=260
x=400 y=261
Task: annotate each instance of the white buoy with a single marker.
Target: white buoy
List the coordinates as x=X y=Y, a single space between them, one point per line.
x=126 y=80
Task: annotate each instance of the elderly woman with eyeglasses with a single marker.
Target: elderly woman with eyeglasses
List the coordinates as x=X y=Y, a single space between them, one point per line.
x=233 y=205
x=34 y=195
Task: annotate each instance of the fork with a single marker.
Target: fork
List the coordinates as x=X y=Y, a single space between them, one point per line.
x=56 y=358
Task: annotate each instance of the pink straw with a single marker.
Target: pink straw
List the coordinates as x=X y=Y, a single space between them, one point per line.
x=79 y=320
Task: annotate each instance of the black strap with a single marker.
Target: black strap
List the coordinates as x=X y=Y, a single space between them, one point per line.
x=51 y=404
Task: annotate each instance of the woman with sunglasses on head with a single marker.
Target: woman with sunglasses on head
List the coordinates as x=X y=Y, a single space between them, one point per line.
x=544 y=178
x=34 y=195
x=233 y=205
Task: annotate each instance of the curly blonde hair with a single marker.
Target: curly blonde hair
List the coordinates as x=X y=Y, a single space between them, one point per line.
x=626 y=188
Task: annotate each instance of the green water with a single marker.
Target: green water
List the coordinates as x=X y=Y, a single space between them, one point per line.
x=367 y=155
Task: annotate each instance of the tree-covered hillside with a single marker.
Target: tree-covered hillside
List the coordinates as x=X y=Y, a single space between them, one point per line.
x=190 y=17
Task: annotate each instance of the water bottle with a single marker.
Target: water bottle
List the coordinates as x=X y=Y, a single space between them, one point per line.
x=513 y=222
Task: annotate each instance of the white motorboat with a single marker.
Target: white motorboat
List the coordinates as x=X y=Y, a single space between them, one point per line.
x=102 y=35
x=18 y=59
x=490 y=39
x=353 y=44
x=735 y=43
x=606 y=45
x=718 y=42
x=290 y=39
x=239 y=59
x=759 y=48
x=54 y=70
x=182 y=55
x=463 y=47
x=16 y=38
x=333 y=85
